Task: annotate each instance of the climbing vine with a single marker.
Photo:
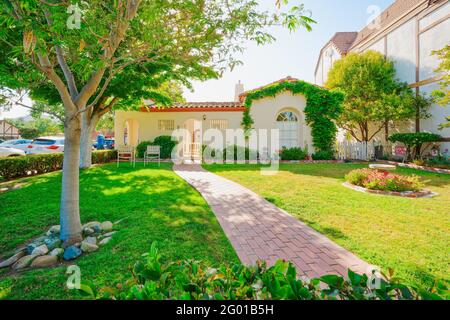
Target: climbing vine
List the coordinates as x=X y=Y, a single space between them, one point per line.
x=323 y=107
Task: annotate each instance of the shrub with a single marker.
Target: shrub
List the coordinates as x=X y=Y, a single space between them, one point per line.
x=323 y=155
x=383 y=180
x=414 y=142
x=293 y=154
x=194 y=280
x=17 y=167
x=440 y=161
x=165 y=142
x=238 y=150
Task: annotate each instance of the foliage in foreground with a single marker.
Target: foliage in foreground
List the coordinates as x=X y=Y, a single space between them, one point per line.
x=383 y=180
x=194 y=280
x=16 y=167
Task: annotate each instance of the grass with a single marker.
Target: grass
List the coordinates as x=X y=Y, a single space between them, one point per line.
x=412 y=236
x=155 y=203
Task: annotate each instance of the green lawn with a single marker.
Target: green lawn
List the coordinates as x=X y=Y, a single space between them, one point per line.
x=154 y=203
x=411 y=236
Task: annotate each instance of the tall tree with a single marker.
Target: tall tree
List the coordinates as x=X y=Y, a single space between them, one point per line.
x=373 y=95
x=443 y=94
x=82 y=52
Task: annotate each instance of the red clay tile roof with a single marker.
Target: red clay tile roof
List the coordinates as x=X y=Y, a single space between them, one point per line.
x=196 y=106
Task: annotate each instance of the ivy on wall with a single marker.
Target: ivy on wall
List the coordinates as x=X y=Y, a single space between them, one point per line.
x=323 y=107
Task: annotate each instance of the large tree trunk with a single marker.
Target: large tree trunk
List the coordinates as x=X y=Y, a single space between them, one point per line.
x=88 y=125
x=70 y=207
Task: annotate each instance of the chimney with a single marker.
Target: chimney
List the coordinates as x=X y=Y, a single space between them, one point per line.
x=238 y=90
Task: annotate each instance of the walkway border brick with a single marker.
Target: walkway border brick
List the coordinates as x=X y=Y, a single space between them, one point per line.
x=258 y=229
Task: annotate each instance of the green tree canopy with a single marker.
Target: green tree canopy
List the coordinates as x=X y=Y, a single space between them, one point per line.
x=82 y=50
x=443 y=94
x=373 y=95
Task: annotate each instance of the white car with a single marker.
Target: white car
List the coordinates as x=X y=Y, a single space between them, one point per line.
x=11 y=152
x=46 y=145
x=21 y=144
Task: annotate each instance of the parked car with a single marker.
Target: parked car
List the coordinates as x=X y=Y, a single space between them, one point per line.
x=21 y=144
x=10 y=152
x=109 y=144
x=46 y=145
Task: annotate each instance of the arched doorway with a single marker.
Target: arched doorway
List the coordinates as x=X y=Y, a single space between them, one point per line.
x=288 y=126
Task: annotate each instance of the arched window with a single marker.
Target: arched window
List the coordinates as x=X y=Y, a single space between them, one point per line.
x=287 y=123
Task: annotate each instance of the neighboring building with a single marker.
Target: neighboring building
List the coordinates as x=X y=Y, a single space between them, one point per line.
x=407 y=32
x=284 y=112
x=8 y=131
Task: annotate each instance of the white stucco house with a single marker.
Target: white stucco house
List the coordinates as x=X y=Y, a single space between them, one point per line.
x=406 y=32
x=283 y=112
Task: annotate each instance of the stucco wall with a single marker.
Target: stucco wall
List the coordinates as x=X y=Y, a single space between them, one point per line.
x=265 y=111
x=326 y=61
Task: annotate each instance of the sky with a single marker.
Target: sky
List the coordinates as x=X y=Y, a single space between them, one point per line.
x=292 y=54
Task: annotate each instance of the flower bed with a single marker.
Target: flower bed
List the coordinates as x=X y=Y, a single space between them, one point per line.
x=386 y=183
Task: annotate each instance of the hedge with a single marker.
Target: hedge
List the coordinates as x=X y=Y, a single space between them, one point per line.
x=16 y=167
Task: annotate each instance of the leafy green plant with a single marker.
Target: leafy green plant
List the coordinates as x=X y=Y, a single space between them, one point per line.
x=323 y=107
x=441 y=161
x=195 y=280
x=16 y=167
x=293 y=154
x=383 y=180
x=323 y=155
x=414 y=142
x=165 y=142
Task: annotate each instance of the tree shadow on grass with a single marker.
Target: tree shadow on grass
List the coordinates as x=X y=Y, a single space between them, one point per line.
x=157 y=206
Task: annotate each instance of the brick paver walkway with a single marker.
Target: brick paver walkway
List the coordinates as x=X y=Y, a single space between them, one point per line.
x=257 y=229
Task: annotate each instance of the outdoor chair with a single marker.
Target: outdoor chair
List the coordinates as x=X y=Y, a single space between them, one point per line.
x=152 y=153
x=126 y=153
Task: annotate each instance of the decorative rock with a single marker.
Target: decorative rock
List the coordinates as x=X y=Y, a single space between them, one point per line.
x=44 y=261
x=41 y=250
x=107 y=226
x=105 y=241
x=97 y=229
x=109 y=234
x=12 y=260
x=71 y=253
x=57 y=252
x=91 y=240
x=24 y=262
x=54 y=229
x=88 y=247
x=53 y=243
x=91 y=224
x=31 y=247
x=88 y=231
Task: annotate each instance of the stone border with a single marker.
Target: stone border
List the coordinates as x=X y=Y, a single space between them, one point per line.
x=423 y=168
x=405 y=194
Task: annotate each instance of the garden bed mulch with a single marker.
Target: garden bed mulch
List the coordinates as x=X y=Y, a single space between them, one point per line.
x=405 y=194
x=423 y=168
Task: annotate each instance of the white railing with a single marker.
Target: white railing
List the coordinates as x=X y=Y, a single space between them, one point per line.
x=352 y=150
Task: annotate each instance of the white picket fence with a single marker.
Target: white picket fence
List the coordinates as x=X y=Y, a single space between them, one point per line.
x=350 y=150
